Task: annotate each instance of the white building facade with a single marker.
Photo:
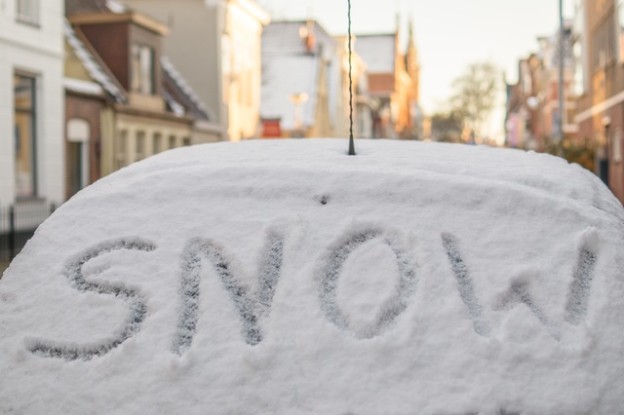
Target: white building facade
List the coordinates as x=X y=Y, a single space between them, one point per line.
x=31 y=101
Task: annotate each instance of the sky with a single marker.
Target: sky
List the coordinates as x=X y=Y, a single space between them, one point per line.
x=450 y=34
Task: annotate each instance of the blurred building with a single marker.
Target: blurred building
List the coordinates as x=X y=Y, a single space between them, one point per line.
x=124 y=100
x=549 y=51
x=361 y=102
x=91 y=91
x=600 y=114
x=532 y=107
x=31 y=102
x=215 y=44
x=524 y=120
x=393 y=83
x=302 y=87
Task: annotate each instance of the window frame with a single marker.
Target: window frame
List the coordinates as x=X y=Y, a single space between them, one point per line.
x=121 y=149
x=33 y=156
x=141 y=55
x=28 y=12
x=140 y=145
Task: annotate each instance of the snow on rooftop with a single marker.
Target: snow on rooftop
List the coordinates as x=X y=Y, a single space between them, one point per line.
x=183 y=85
x=83 y=87
x=116 y=7
x=286 y=277
x=94 y=69
x=288 y=38
x=177 y=109
x=377 y=51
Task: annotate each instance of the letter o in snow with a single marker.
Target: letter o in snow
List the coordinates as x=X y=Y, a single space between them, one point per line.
x=332 y=266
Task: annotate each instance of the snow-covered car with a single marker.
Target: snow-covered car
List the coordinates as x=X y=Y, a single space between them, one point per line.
x=289 y=278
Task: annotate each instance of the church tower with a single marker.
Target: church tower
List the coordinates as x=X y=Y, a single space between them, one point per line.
x=412 y=64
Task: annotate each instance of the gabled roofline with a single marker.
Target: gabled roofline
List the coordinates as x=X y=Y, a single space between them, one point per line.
x=184 y=87
x=96 y=69
x=315 y=23
x=84 y=19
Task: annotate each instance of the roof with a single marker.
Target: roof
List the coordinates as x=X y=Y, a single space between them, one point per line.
x=96 y=69
x=179 y=94
x=93 y=6
x=381 y=84
x=179 y=97
x=286 y=38
x=377 y=52
x=85 y=12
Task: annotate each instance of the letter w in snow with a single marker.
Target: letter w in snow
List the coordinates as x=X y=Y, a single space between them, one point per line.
x=519 y=293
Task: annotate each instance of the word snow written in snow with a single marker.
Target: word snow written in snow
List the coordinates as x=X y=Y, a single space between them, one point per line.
x=252 y=308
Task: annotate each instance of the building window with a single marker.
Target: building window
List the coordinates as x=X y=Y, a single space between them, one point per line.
x=121 y=149
x=172 y=141
x=227 y=64
x=140 y=146
x=143 y=73
x=579 y=76
x=28 y=11
x=158 y=143
x=78 y=137
x=617 y=146
x=186 y=141
x=25 y=116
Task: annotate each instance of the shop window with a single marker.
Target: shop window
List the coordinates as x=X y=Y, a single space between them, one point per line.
x=78 y=137
x=25 y=116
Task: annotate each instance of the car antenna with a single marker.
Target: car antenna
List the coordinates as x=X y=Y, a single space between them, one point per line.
x=351 y=143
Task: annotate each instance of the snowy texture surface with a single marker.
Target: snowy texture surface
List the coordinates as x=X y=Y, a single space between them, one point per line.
x=286 y=277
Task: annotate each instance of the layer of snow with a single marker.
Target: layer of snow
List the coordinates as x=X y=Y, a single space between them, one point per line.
x=283 y=38
x=116 y=7
x=177 y=108
x=177 y=77
x=286 y=277
x=82 y=87
x=94 y=69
